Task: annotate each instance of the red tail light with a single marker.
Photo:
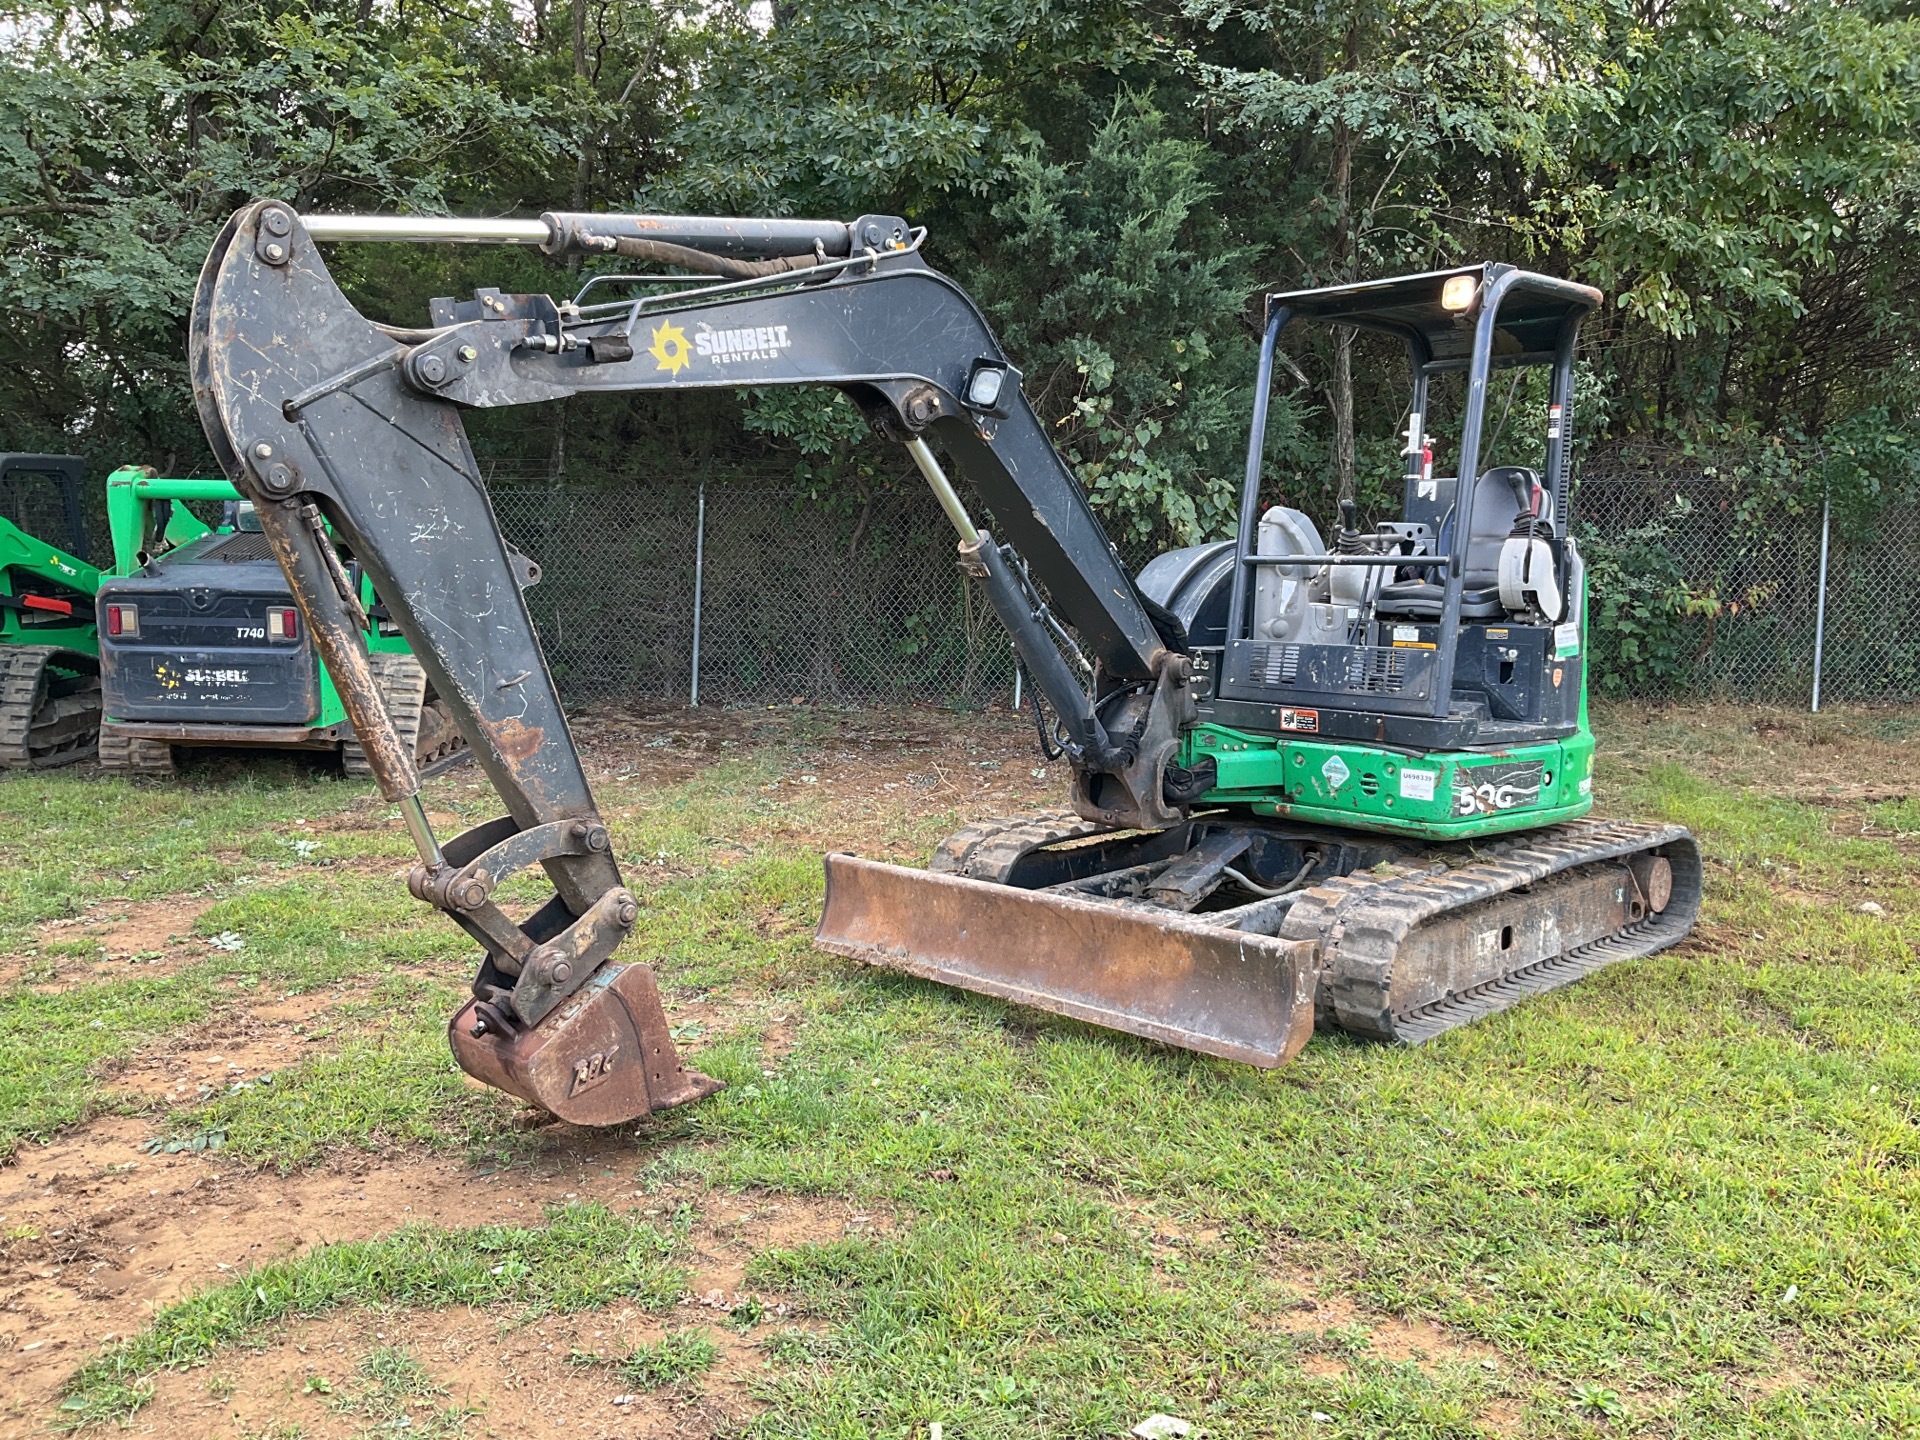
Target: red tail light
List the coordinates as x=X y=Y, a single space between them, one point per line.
x=283 y=624
x=123 y=620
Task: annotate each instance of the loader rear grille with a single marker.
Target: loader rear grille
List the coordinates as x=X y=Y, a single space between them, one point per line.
x=240 y=547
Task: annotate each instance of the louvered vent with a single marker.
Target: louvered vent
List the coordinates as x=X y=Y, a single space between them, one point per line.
x=1277 y=665
x=1377 y=670
x=240 y=547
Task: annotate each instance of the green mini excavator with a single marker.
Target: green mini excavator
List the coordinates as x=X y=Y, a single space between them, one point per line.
x=1312 y=782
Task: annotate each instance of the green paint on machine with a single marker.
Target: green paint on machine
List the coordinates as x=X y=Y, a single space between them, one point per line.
x=1439 y=796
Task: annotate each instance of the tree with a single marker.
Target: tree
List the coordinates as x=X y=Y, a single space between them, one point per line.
x=1386 y=136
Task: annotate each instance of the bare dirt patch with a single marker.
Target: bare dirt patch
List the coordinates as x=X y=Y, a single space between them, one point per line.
x=96 y=1235
x=245 y=1047
x=150 y=937
x=1837 y=758
x=513 y=1376
x=1331 y=1322
x=511 y=1380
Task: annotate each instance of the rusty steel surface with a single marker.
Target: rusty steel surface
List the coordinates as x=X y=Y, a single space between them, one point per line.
x=1460 y=950
x=604 y=1057
x=1171 y=978
x=304 y=401
x=1415 y=951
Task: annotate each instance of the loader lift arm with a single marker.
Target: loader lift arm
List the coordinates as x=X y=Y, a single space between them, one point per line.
x=322 y=416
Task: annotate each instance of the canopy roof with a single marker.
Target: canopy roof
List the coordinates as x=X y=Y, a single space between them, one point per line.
x=1533 y=309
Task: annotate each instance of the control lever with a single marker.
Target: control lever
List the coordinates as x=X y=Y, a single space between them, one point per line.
x=1348 y=542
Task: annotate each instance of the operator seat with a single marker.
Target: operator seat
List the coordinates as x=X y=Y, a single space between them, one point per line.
x=1502 y=496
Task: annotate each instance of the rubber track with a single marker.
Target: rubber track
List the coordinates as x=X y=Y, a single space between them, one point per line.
x=38 y=733
x=403 y=689
x=989 y=849
x=1361 y=921
x=124 y=754
x=403 y=686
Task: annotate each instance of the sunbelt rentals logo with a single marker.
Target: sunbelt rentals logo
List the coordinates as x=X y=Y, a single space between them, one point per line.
x=669 y=348
x=673 y=350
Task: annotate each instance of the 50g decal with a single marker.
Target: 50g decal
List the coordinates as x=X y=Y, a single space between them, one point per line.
x=1489 y=789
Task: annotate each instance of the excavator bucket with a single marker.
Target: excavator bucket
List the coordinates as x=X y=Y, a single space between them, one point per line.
x=1171 y=978
x=603 y=1058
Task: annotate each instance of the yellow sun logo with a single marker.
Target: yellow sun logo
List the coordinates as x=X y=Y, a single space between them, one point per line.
x=670 y=348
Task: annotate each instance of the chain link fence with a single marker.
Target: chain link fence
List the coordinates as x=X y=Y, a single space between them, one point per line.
x=1701 y=589
x=1698 y=592
x=785 y=598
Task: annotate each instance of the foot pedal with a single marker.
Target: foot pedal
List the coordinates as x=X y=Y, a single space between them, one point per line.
x=602 y=1057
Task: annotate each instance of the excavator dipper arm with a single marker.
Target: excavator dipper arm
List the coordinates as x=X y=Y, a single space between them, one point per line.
x=322 y=416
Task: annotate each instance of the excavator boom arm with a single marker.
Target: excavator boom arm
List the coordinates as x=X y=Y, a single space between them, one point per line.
x=323 y=417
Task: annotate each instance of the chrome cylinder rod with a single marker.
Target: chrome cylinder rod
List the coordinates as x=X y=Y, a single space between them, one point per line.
x=943 y=490
x=415 y=814
x=427 y=228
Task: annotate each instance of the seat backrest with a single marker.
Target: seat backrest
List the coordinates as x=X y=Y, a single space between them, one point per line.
x=1500 y=497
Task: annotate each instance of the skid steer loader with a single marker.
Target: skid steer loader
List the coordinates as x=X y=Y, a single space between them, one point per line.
x=1310 y=784
x=49 y=658
x=184 y=635
x=200 y=644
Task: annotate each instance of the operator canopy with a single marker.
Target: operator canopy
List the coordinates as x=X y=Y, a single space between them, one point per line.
x=1437 y=311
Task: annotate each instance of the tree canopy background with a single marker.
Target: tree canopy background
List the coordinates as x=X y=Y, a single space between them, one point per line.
x=1115 y=182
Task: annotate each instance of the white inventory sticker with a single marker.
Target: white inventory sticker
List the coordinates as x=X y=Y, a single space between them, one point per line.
x=1336 y=772
x=1416 y=784
x=1566 y=640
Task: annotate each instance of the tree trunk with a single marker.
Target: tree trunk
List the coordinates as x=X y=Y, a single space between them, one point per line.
x=1341 y=388
x=1343 y=466
x=583 y=171
x=1342 y=260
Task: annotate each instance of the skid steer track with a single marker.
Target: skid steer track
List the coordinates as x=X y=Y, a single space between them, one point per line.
x=1403 y=951
x=49 y=707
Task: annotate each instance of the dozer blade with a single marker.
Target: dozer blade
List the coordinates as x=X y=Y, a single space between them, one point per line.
x=604 y=1057
x=1166 y=976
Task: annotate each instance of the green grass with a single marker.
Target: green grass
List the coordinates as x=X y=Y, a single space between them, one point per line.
x=678 y=1356
x=1676 y=1198
x=391 y=1389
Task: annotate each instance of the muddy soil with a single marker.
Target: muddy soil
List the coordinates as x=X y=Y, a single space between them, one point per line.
x=101 y=1235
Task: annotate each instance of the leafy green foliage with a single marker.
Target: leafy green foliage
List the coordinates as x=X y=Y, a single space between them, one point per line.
x=1120 y=294
x=1645 y=625
x=1115 y=182
x=126 y=140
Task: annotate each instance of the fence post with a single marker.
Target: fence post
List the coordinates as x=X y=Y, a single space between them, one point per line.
x=1820 y=605
x=699 y=567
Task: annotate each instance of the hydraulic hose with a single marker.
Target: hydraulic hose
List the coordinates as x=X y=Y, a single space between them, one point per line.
x=663 y=252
